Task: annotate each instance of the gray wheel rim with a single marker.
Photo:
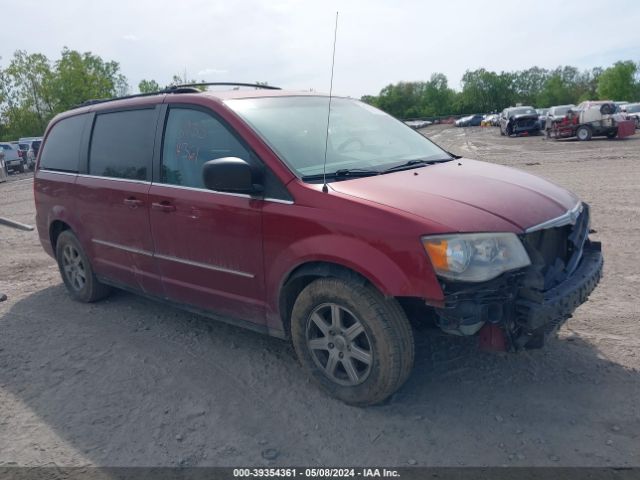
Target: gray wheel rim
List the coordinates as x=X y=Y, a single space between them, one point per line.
x=73 y=267
x=583 y=134
x=339 y=344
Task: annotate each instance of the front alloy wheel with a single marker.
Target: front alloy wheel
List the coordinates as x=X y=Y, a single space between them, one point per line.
x=339 y=344
x=353 y=341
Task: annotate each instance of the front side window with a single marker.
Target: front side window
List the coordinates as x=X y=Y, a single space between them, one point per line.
x=191 y=138
x=122 y=144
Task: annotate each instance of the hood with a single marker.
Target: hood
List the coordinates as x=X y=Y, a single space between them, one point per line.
x=466 y=196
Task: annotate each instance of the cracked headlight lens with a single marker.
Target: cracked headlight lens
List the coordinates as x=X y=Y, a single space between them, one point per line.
x=475 y=257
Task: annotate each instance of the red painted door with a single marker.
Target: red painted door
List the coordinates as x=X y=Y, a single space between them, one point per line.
x=208 y=245
x=113 y=202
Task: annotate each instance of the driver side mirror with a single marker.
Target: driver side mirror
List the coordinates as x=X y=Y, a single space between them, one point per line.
x=233 y=175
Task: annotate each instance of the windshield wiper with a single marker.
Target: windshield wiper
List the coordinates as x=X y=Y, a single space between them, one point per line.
x=343 y=173
x=418 y=162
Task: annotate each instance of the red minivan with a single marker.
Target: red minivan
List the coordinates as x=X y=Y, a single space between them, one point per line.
x=244 y=206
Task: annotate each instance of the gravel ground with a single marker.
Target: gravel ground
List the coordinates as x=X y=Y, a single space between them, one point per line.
x=128 y=382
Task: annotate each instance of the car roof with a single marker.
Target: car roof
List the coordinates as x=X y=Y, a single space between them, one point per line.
x=217 y=96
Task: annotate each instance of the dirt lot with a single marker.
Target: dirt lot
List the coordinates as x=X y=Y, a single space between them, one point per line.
x=131 y=382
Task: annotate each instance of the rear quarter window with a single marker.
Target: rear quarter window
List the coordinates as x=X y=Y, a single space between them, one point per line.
x=61 y=150
x=122 y=144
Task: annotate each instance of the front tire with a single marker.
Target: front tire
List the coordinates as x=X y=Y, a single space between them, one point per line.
x=583 y=133
x=355 y=343
x=76 y=270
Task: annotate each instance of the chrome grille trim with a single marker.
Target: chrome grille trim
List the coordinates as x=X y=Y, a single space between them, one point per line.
x=568 y=218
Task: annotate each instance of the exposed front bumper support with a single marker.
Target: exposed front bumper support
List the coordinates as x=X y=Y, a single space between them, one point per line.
x=519 y=308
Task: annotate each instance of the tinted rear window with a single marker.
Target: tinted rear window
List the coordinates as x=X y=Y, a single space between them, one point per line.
x=122 y=144
x=61 y=151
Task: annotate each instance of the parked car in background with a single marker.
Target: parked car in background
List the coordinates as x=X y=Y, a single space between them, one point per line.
x=592 y=119
x=26 y=146
x=236 y=205
x=23 y=149
x=417 y=124
x=632 y=110
x=556 y=114
x=3 y=171
x=469 y=121
x=13 y=158
x=542 y=117
x=32 y=154
x=488 y=120
x=518 y=121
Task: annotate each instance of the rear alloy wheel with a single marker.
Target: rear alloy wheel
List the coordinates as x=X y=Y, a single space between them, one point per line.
x=355 y=343
x=583 y=133
x=76 y=270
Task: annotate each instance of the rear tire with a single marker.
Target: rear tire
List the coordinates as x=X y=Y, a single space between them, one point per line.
x=76 y=270
x=583 y=133
x=612 y=135
x=355 y=343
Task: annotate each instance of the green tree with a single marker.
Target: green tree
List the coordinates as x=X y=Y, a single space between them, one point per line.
x=619 y=82
x=148 y=86
x=437 y=98
x=528 y=85
x=83 y=76
x=33 y=90
x=485 y=91
x=27 y=89
x=402 y=100
x=182 y=80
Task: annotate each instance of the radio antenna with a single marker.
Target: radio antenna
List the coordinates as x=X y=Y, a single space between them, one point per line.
x=325 y=189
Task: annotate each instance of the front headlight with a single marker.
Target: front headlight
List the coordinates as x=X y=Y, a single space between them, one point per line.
x=475 y=257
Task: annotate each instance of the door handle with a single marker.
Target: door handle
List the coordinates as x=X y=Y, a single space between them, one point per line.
x=164 y=206
x=133 y=202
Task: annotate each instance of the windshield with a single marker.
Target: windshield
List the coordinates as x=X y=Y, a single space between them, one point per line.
x=6 y=147
x=522 y=111
x=360 y=136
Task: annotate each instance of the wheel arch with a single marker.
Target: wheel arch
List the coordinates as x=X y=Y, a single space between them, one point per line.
x=55 y=229
x=303 y=275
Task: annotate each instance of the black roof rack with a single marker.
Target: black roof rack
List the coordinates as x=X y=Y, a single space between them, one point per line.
x=224 y=84
x=182 y=88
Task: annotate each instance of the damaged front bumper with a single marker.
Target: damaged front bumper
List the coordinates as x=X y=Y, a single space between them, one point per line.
x=518 y=308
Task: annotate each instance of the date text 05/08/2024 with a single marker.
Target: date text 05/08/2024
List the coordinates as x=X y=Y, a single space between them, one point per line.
x=315 y=473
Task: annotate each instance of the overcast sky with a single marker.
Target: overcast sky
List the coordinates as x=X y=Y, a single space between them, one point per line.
x=288 y=43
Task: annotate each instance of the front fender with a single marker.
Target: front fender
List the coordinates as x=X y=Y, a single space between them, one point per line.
x=401 y=271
